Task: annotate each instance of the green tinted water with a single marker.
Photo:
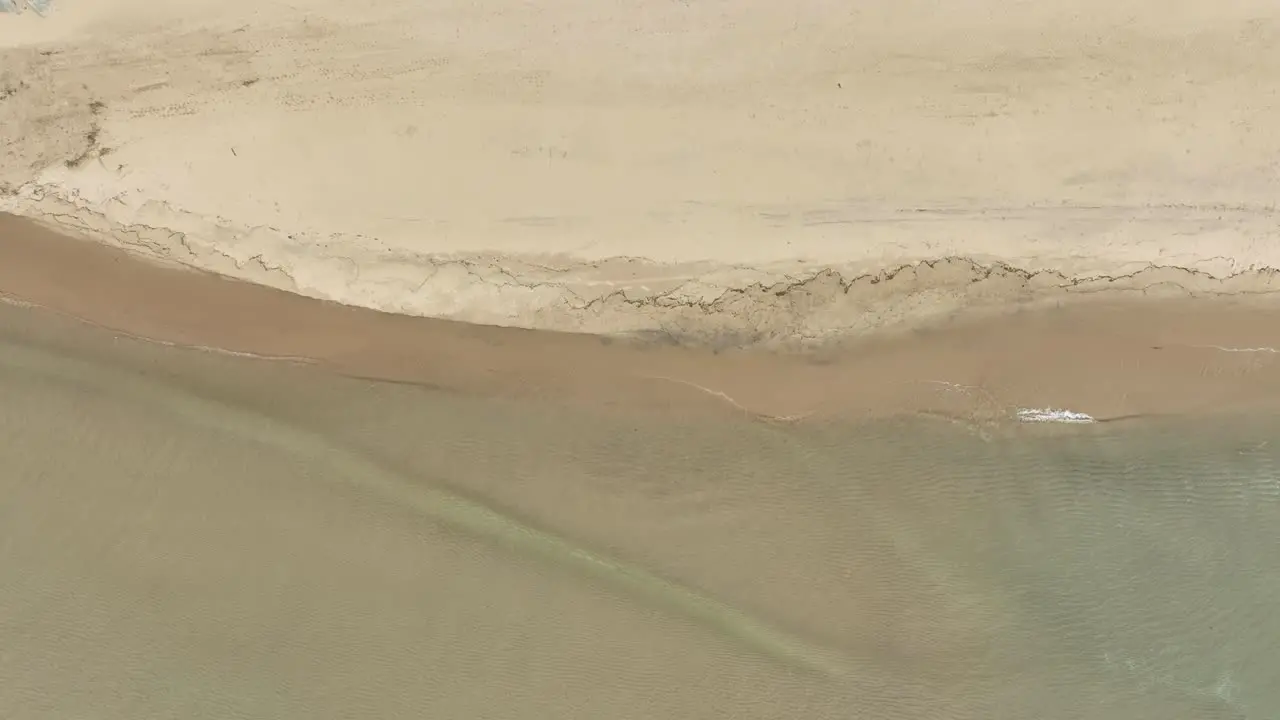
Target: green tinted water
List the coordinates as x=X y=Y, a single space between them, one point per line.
x=183 y=535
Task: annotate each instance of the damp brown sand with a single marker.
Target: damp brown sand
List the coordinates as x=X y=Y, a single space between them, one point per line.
x=1109 y=358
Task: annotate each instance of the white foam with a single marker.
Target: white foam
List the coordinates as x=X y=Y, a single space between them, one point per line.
x=1053 y=415
x=1241 y=349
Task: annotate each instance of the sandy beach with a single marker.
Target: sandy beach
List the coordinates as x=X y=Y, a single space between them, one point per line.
x=666 y=359
x=741 y=170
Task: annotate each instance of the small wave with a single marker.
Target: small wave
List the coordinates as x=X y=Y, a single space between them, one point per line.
x=1241 y=349
x=1044 y=415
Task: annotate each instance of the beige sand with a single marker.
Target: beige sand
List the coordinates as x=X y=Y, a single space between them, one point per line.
x=753 y=169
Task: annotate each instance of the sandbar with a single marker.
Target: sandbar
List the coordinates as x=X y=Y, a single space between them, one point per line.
x=732 y=172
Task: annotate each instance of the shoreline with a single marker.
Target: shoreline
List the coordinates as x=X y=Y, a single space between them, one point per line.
x=1109 y=360
x=767 y=301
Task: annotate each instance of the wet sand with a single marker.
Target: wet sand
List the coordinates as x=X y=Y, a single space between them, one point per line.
x=401 y=517
x=1110 y=359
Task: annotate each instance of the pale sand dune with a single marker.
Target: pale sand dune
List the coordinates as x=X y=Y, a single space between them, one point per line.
x=698 y=168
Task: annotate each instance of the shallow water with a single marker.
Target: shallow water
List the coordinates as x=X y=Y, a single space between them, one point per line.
x=185 y=535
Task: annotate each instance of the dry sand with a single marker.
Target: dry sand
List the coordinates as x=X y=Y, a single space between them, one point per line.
x=754 y=170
